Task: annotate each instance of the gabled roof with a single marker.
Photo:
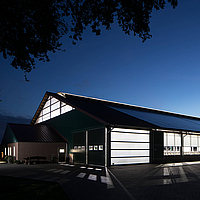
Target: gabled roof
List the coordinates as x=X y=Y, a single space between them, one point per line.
x=36 y=133
x=119 y=114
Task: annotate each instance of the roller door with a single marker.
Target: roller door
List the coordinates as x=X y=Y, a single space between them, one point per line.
x=130 y=146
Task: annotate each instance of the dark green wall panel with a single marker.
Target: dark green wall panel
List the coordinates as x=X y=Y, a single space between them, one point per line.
x=70 y=122
x=8 y=136
x=96 y=137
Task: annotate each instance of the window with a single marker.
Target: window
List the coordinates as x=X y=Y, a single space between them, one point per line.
x=91 y=148
x=5 y=151
x=191 y=144
x=52 y=108
x=100 y=147
x=172 y=144
x=14 y=151
x=95 y=147
x=61 y=150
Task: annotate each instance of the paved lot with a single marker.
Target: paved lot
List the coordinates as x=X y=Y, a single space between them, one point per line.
x=136 y=182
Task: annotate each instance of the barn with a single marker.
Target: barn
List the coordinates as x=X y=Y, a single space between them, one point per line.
x=101 y=132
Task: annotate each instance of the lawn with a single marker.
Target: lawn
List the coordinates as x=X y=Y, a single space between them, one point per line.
x=19 y=188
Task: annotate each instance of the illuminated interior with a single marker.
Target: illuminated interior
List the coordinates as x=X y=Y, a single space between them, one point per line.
x=14 y=151
x=191 y=144
x=172 y=144
x=52 y=108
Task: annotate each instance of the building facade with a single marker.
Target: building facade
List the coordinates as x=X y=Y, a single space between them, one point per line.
x=101 y=132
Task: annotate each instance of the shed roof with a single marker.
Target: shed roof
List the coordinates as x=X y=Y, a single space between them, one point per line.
x=114 y=113
x=36 y=133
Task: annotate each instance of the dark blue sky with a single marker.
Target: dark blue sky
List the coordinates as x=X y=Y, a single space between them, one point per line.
x=162 y=73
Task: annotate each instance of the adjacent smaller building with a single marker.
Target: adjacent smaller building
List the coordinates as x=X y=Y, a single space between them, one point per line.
x=21 y=141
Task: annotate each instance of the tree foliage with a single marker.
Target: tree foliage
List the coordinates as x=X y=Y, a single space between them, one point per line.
x=29 y=29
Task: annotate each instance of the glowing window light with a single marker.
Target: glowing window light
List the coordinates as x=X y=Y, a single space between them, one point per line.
x=5 y=151
x=46 y=110
x=193 y=140
x=171 y=139
x=47 y=104
x=65 y=109
x=187 y=140
x=14 y=151
x=54 y=100
x=55 y=106
x=61 y=150
x=55 y=113
x=46 y=117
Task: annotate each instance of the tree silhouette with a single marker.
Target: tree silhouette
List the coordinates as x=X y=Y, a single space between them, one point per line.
x=30 y=29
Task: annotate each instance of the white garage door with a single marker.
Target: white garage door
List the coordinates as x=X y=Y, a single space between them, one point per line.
x=130 y=146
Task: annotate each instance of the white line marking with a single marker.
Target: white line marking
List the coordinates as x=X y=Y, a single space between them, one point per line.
x=97 y=169
x=81 y=175
x=82 y=167
x=89 y=168
x=65 y=172
x=57 y=171
x=51 y=170
x=92 y=177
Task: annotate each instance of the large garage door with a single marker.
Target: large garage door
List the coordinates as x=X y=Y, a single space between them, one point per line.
x=130 y=146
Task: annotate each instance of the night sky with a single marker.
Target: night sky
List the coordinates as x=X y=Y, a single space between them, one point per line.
x=162 y=73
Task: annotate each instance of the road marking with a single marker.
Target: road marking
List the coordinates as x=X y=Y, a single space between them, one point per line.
x=57 y=171
x=68 y=165
x=65 y=172
x=97 y=169
x=82 y=167
x=81 y=175
x=89 y=168
x=51 y=170
x=92 y=177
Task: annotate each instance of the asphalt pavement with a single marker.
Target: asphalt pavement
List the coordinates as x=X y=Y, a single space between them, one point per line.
x=137 y=182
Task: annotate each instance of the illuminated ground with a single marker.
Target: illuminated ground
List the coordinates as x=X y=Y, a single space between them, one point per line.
x=138 y=182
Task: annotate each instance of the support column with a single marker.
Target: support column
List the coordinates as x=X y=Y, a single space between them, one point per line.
x=106 y=147
x=182 y=145
x=86 y=147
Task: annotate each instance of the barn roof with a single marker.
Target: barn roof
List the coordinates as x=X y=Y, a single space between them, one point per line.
x=36 y=133
x=120 y=114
